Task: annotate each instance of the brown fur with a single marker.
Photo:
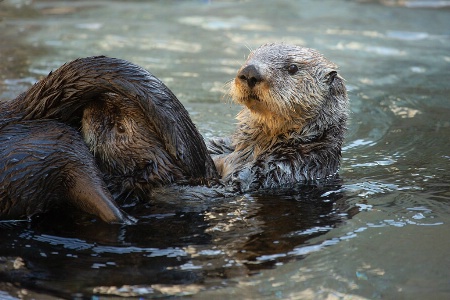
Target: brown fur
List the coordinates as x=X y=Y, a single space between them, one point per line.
x=132 y=150
x=292 y=125
x=45 y=166
x=140 y=134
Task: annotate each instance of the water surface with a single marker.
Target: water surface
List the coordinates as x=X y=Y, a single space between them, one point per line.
x=379 y=233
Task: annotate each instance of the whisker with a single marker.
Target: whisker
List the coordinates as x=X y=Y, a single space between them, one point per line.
x=248 y=47
x=227 y=87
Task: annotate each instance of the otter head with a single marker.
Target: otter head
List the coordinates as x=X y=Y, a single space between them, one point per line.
x=285 y=87
x=124 y=143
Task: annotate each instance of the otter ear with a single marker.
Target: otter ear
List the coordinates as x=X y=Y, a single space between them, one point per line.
x=329 y=78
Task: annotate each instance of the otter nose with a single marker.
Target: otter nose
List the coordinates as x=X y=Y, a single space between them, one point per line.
x=250 y=74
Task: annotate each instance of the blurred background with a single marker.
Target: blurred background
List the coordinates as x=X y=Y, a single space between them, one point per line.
x=380 y=233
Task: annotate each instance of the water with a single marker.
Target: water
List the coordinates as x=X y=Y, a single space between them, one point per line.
x=380 y=233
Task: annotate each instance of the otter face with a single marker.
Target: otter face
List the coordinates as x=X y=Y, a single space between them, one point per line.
x=113 y=131
x=124 y=142
x=282 y=85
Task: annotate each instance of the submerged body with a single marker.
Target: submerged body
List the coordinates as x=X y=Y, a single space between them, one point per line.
x=138 y=133
x=292 y=125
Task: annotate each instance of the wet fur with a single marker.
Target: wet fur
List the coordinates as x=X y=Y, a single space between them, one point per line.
x=45 y=166
x=292 y=126
x=142 y=139
x=84 y=83
x=140 y=134
x=132 y=152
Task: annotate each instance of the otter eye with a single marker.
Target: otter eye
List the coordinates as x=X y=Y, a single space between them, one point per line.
x=292 y=69
x=120 y=128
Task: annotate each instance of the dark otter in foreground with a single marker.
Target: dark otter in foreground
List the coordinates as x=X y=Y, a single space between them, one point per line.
x=292 y=126
x=140 y=134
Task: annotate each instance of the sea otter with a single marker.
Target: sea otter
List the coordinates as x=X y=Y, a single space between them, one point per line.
x=292 y=126
x=139 y=134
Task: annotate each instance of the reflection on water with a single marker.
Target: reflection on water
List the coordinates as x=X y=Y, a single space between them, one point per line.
x=377 y=234
x=200 y=247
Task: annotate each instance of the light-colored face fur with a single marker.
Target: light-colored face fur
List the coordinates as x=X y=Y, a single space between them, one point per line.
x=291 y=91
